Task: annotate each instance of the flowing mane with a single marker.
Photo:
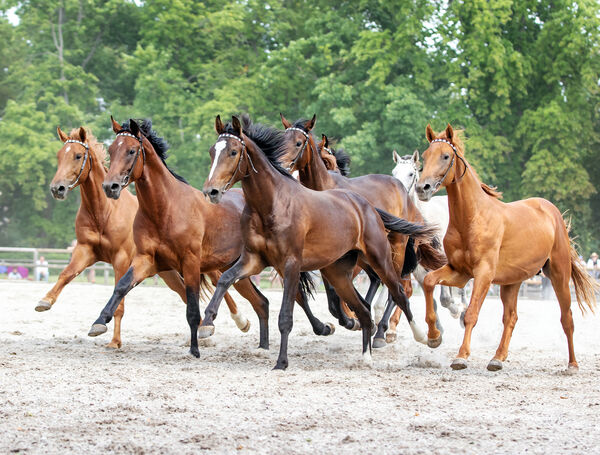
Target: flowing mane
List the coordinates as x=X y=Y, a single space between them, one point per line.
x=97 y=148
x=458 y=142
x=343 y=161
x=268 y=139
x=159 y=144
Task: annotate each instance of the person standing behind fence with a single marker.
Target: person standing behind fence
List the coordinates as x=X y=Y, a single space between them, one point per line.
x=41 y=269
x=593 y=266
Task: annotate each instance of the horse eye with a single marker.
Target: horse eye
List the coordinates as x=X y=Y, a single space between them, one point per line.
x=131 y=152
x=298 y=144
x=411 y=174
x=78 y=156
x=234 y=152
x=446 y=157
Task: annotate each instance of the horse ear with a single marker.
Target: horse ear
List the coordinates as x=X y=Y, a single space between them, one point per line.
x=395 y=156
x=449 y=133
x=219 y=127
x=415 y=156
x=134 y=127
x=61 y=134
x=115 y=125
x=311 y=123
x=237 y=126
x=285 y=122
x=429 y=134
x=326 y=141
x=82 y=134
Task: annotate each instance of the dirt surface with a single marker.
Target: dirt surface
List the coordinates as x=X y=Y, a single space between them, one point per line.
x=62 y=392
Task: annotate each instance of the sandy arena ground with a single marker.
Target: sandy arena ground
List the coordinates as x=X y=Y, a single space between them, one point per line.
x=62 y=392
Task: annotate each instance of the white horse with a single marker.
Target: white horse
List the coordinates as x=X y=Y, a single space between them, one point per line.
x=435 y=212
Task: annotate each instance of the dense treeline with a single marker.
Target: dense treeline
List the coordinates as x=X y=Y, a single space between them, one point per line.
x=521 y=77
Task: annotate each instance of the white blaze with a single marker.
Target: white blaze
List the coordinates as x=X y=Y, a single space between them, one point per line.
x=219 y=146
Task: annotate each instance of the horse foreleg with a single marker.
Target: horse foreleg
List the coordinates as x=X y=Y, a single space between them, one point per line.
x=291 y=281
x=142 y=267
x=83 y=256
x=449 y=277
x=481 y=285
x=247 y=265
x=261 y=306
x=120 y=264
x=240 y=320
x=508 y=295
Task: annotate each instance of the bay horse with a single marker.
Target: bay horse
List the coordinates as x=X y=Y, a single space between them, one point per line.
x=434 y=211
x=174 y=228
x=299 y=153
x=496 y=242
x=297 y=230
x=103 y=227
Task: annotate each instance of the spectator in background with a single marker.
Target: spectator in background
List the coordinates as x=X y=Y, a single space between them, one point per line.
x=593 y=266
x=41 y=269
x=14 y=275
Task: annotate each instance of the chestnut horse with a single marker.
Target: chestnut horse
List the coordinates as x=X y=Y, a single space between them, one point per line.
x=296 y=230
x=495 y=242
x=175 y=227
x=103 y=227
x=299 y=153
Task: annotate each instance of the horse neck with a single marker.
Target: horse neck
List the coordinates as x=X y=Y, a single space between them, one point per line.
x=261 y=187
x=465 y=197
x=315 y=174
x=93 y=198
x=156 y=187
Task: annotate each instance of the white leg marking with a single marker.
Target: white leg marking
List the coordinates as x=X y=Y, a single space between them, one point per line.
x=219 y=146
x=418 y=334
x=239 y=319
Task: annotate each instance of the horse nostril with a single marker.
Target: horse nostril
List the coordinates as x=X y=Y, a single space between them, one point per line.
x=426 y=187
x=214 y=192
x=114 y=187
x=61 y=189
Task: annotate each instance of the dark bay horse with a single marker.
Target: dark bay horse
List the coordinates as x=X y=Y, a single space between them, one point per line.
x=300 y=153
x=495 y=242
x=296 y=230
x=103 y=227
x=175 y=228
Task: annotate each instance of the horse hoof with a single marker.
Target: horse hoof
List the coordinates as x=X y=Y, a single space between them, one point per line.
x=390 y=337
x=246 y=327
x=494 y=365
x=43 y=305
x=97 y=329
x=379 y=343
x=434 y=343
x=355 y=325
x=205 y=331
x=195 y=352
x=573 y=368
x=280 y=366
x=331 y=328
x=459 y=364
x=367 y=359
x=114 y=345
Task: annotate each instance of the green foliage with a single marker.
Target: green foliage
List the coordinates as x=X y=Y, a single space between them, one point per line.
x=521 y=78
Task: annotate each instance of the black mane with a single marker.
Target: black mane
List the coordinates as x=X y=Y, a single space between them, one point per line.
x=343 y=161
x=268 y=139
x=159 y=144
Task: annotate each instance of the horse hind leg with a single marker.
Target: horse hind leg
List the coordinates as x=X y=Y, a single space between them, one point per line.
x=240 y=320
x=559 y=273
x=508 y=295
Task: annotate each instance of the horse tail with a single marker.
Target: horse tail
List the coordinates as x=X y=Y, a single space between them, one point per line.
x=585 y=286
x=307 y=285
x=206 y=288
x=430 y=255
x=422 y=232
x=410 y=258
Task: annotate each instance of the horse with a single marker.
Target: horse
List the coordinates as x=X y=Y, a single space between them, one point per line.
x=435 y=211
x=103 y=227
x=496 y=242
x=297 y=230
x=299 y=153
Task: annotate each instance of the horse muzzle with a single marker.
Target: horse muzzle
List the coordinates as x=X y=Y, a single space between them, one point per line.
x=213 y=194
x=59 y=191
x=425 y=190
x=112 y=189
